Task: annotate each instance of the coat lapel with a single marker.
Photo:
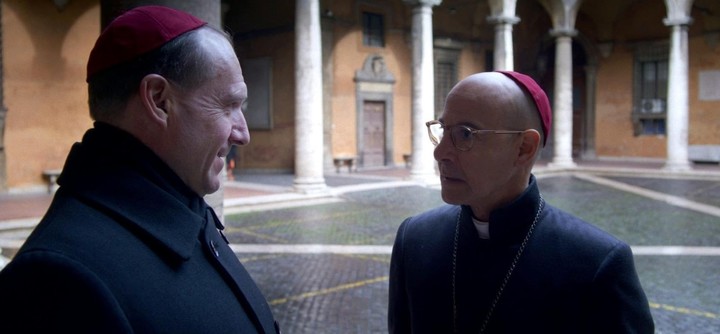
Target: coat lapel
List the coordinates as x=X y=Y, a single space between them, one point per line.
x=236 y=275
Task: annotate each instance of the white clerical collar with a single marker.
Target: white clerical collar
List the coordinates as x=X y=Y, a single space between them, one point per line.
x=483 y=228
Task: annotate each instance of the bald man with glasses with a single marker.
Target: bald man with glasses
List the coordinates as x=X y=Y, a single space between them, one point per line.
x=498 y=258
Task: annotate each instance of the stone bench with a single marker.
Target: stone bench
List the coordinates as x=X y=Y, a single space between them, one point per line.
x=408 y=160
x=704 y=153
x=341 y=161
x=51 y=176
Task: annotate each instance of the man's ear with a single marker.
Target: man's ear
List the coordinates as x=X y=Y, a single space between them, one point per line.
x=529 y=146
x=154 y=95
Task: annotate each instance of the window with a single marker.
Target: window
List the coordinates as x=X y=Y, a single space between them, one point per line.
x=445 y=79
x=447 y=57
x=650 y=90
x=373 y=30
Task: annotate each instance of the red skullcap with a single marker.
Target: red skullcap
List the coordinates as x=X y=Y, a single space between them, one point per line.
x=136 y=32
x=539 y=97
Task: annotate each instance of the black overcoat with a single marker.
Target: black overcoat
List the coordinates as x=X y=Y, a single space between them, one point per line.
x=126 y=247
x=571 y=278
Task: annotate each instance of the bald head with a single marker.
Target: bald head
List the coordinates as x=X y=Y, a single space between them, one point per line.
x=492 y=167
x=496 y=93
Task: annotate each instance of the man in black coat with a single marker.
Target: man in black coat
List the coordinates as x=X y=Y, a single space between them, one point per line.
x=128 y=244
x=498 y=258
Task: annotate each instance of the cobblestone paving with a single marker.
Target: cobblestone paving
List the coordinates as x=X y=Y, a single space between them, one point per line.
x=324 y=293
x=703 y=191
x=347 y=293
x=637 y=220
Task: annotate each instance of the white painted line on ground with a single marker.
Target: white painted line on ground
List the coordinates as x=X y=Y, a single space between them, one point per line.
x=294 y=200
x=374 y=186
x=236 y=208
x=676 y=250
x=311 y=249
x=15 y=224
x=273 y=198
x=11 y=243
x=386 y=250
x=669 y=199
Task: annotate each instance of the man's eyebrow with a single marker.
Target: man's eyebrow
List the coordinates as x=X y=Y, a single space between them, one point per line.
x=235 y=95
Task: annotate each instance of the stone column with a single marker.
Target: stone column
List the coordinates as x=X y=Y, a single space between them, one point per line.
x=308 y=98
x=563 y=102
x=423 y=90
x=588 y=152
x=206 y=10
x=326 y=27
x=677 y=104
x=503 y=52
x=3 y=112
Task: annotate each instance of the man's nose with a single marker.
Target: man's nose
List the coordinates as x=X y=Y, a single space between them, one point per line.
x=239 y=135
x=444 y=149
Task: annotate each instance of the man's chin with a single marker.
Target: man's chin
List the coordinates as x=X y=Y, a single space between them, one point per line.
x=450 y=198
x=211 y=186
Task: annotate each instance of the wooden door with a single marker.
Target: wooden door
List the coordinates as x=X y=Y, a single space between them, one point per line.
x=373 y=129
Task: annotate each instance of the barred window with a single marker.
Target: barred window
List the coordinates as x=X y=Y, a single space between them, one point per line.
x=445 y=79
x=650 y=86
x=447 y=57
x=373 y=29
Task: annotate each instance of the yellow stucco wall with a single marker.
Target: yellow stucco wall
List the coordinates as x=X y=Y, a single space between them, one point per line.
x=348 y=56
x=275 y=148
x=346 y=60
x=45 y=52
x=44 y=55
x=704 y=115
x=614 y=128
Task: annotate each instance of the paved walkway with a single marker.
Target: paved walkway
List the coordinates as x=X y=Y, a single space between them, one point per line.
x=322 y=259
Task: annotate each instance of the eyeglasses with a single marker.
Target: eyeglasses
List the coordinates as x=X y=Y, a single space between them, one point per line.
x=462 y=136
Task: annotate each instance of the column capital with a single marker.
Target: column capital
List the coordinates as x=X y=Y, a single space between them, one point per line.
x=428 y=3
x=503 y=19
x=563 y=32
x=678 y=21
x=678 y=12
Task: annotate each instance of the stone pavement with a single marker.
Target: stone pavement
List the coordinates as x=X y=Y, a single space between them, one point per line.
x=322 y=259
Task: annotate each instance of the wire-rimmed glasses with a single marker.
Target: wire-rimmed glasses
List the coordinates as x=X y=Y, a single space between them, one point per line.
x=462 y=136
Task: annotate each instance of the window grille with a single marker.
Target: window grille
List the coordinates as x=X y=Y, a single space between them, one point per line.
x=650 y=84
x=373 y=30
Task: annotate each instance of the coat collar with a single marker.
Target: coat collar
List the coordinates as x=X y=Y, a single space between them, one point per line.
x=114 y=172
x=509 y=224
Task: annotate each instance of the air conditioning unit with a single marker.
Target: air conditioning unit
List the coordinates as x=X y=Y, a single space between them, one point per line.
x=652 y=106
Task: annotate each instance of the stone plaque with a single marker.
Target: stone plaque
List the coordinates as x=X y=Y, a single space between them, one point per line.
x=258 y=77
x=709 y=86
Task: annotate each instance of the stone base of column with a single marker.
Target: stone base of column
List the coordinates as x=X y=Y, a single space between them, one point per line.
x=562 y=163
x=677 y=166
x=310 y=185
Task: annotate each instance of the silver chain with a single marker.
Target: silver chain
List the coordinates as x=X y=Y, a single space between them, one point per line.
x=509 y=273
x=454 y=265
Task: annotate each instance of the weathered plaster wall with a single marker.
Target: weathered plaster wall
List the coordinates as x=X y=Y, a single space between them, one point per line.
x=44 y=53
